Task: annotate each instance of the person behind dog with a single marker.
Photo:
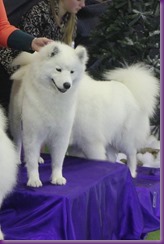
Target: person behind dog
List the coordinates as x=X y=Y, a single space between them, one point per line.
x=55 y=19
x=13 y=37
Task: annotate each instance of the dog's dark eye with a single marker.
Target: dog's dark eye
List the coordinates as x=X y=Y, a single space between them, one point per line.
x=52 y=54
x=59 y=70
x=71 y=71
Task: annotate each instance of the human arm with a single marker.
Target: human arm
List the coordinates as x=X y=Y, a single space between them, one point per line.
x=20 y=40
x=5 y=28
x=14 y=38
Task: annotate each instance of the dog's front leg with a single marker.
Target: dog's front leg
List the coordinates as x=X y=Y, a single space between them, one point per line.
x=33 y=174
x=32 y=153
x=32 y=169
x=58 y=150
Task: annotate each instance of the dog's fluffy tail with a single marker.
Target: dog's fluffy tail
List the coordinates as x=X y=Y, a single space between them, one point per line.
x=23 y=59
x=141 y=82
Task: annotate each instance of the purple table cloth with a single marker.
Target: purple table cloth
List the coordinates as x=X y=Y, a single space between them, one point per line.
x=147 y=185
x=99 y=202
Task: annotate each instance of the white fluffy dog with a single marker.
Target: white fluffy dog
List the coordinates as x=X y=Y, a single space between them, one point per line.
x=113 y=115
x=42 y=106
x=8 y=163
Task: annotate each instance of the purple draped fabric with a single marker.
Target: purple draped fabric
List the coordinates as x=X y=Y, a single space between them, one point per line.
x=148 y=189
x=99 y=202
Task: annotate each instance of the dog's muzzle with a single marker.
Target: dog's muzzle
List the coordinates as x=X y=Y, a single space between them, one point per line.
x=66 y=86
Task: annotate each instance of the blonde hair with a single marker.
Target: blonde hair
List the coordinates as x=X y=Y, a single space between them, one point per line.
x=69 y=30
x=70 y=26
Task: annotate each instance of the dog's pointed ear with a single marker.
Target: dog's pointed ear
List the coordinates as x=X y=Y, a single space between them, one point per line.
x=82 y=54
x=54 y=51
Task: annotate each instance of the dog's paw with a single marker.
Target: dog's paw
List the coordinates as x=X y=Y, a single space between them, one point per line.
x=41 y=160
x=34 y=183
x=19 y=162
x=1 y=235
x=58 y=180
x=134 y=174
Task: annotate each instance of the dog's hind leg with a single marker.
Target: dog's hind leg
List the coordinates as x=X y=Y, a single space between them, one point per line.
x=111 y=154
x=16 y=132
x=1 y=234
x=94 y=151
x=132 y=163
x=18 y=144
x=41 y=160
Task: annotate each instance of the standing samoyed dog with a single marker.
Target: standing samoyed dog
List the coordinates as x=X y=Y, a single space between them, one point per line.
x=43 y=102
x=114 y=116
x=8 y=163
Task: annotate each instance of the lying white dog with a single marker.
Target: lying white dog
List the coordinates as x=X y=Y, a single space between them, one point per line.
x=113 y=116
x=8 y=163
x=42 y=106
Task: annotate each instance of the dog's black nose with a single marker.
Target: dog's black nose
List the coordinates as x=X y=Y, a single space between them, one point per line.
x=66 y=85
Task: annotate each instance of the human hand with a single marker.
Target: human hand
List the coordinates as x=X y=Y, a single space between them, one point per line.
x=39 y=42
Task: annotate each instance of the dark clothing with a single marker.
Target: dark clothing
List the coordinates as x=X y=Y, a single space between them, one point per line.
x=88 y=18
x=5 y=88
x=17 y=8
x=10 y=36
x=20 y=40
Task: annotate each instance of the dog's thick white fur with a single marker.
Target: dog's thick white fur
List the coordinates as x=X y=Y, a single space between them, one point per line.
x=43 y=102
x=8 y=163
x=113 y=116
